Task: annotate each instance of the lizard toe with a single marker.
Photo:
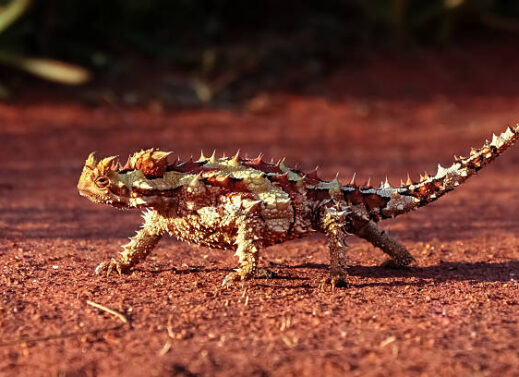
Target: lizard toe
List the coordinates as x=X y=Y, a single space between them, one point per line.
x=110 y=266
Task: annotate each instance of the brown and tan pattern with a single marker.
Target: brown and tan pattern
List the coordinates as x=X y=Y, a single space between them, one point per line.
x=247 y=204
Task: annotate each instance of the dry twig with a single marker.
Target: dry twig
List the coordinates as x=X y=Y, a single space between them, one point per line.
x=104 y=308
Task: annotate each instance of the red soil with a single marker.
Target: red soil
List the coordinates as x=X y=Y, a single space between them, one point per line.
x=455 y=313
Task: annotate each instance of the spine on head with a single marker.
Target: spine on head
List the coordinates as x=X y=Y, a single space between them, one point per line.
x=430 y=188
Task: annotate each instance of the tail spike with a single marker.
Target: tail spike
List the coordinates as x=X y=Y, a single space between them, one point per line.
x=352 y=181
x=495 y=140
x=409 y=181
x=509 y=133
x=441 y=171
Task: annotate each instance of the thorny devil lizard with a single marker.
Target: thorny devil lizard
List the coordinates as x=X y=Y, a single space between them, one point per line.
x=247 y=204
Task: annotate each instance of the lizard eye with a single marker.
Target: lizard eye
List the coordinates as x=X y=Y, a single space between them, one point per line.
x=102 y=181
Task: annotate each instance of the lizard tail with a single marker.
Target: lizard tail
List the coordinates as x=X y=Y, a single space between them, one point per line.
x=410 y=195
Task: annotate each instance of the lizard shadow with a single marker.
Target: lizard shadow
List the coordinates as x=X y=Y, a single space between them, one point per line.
x=476 y=272
x=202 y=269
x=448 y=271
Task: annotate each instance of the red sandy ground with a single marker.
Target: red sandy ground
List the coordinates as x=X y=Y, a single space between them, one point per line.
x=455 y=313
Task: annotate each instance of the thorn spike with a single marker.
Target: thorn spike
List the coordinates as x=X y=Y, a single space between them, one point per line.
x=281 y=164
x=91 y=161
x=212 y=159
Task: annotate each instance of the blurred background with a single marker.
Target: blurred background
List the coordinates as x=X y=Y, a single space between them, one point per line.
x=376 y=88
x=192 y=52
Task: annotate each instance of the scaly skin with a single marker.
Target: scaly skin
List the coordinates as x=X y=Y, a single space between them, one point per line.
x=247 y=204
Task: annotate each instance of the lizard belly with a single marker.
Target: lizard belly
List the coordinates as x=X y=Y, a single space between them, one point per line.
x=197 y=230
x=193 y=229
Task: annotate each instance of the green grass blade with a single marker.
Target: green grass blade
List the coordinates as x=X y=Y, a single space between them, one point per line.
x=48 y=69
x=12 y=12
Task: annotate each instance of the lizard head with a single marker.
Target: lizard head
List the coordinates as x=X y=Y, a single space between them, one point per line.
x=138 y=184
x=99 y=182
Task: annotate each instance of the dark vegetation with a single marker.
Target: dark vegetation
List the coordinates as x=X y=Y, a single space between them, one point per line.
x=172 y=30
x=222 y=44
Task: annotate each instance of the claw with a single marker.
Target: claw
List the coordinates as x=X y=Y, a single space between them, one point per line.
x=109 y=267
x=230 y=278
x=239 y=275
x=100 y=267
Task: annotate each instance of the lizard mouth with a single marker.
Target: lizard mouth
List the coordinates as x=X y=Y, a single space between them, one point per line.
x=91 y=196
x=112 y=200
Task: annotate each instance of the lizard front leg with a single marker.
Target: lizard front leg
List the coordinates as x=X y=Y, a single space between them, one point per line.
x=249 y=241
x=333 y=224
x=139 y=246
x=400 y=257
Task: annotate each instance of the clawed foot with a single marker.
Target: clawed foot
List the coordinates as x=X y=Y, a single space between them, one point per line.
x=237 y=275
x=260 y=273
x=334 y=280
x=230 y=278
x=110 y=266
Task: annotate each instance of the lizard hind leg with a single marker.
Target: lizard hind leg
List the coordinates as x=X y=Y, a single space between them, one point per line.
x=400 y=257
x=333 y=224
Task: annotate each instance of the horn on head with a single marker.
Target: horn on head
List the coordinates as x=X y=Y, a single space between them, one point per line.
x=91 y=161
